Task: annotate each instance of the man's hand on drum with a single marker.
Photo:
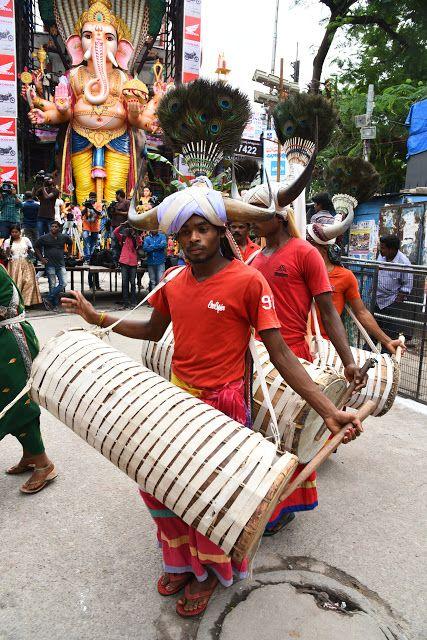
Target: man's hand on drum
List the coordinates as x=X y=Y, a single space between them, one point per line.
x=77 y=303
x=352 y=373
x=339 y=420
x=392 y=345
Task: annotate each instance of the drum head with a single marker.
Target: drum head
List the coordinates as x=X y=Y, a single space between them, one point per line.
x=305 y=444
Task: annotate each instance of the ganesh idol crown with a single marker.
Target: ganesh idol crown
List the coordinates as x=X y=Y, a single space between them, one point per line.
x=98 y=97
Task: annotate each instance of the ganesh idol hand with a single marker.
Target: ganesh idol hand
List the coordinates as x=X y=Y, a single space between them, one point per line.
x=340 y=419
x=134 y=108
x=62 y=103
x=352 y=373
x=37 y=116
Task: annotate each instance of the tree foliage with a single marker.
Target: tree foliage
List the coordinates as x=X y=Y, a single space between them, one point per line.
x=388 y=150
x=390 y=27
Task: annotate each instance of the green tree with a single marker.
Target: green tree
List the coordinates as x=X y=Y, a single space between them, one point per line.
x=388 y=150
x=387 y=20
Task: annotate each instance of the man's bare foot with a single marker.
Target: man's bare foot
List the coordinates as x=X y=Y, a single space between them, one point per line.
x=197 y=596
x=40 y=478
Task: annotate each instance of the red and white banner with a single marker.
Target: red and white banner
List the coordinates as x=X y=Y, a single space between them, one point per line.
x=6 y=9
x=191 y=40
x=8 y=94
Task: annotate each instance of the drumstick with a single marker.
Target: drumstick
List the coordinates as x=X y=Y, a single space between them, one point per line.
x=370 y=362
x=398 y=355
x=326 y=451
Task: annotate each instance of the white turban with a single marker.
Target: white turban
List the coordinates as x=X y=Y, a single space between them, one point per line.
x=199 y=199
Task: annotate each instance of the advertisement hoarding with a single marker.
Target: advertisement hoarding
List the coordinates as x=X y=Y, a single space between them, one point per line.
x=191 y=40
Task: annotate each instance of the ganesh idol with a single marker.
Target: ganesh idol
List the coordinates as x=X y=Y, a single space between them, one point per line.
x=99 y=99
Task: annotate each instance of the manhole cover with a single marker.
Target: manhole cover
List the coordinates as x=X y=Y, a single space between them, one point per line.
x=300 y=605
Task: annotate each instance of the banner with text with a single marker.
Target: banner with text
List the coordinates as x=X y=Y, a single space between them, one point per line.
x=8 y=94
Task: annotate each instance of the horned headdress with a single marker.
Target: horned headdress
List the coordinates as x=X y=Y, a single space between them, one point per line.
x=353 y=180
x=204 y=122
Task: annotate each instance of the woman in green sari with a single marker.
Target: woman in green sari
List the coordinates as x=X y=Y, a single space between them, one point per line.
x=18 y=347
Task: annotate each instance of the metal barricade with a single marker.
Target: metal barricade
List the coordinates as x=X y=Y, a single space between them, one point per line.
x=407 y=316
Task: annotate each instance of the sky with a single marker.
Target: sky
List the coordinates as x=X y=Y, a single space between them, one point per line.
x=243 y=29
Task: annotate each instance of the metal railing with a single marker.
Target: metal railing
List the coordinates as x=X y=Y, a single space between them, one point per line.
x=407 y=317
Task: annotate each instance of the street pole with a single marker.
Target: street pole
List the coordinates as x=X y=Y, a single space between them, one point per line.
x=369 y=110
x=279 y=146
x=273 y=55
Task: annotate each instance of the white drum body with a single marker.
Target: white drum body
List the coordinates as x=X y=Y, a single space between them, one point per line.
x=215 y=474
x=298 y=423
x=383 y=379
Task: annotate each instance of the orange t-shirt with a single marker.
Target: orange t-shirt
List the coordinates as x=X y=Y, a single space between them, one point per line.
x=344 y=289
x=251 y=247
x=212 y=321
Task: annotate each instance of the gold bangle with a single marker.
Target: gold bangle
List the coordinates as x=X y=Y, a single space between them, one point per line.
x=101 y=319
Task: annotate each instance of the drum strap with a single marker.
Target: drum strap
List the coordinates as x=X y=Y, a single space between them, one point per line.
x=362 y=329
x=261 y=378
x=99 y=331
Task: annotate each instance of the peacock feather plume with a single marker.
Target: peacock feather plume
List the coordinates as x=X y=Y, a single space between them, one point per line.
x=354 y=176
x=246 y=170
x=204 y=121
x=296 y=117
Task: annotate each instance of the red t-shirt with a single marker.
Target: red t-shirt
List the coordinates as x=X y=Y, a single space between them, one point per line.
x=212 y=321
x=251 y=247
x=296 y=273
x=344 y=289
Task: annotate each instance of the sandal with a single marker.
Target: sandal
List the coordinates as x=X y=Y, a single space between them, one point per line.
x=204 y=596
x=284 y=520
x=179 y=583
x=21 y=467
x=34 y=486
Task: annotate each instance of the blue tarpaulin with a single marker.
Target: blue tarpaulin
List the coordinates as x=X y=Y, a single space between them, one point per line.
x=417 y=123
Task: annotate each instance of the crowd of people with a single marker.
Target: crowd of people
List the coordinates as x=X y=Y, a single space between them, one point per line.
x=42 y=228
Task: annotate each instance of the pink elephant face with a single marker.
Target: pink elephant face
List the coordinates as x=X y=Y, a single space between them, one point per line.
x=94 y=36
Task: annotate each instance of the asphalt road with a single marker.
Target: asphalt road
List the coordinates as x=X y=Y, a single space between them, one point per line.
x=79 y=560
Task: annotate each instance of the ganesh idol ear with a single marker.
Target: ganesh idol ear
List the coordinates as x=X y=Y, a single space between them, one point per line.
x=124 y=54
x=75 y=49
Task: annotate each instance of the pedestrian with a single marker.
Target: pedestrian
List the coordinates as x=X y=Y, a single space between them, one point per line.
x=19 y=346
x=393 y=288
x=10 y=208
x=59 y=210
x=119 y=213
x=296 y=274
x=50 y=251
x=129 y=241
x=30 y=212
x=212 y=303
x=240 y=232
x=155 y=248
x=18 y=250
x=345 y=288
x=322 y=204
x=91 y=221
x=47 y=195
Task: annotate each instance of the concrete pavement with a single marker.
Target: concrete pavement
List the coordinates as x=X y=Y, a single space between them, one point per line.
x=79 y=560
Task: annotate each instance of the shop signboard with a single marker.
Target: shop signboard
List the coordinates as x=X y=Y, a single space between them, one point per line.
x=270 y=157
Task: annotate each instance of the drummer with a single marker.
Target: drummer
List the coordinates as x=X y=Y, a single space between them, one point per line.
x=296 y=274
x=345 y=288
x=213 y=303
